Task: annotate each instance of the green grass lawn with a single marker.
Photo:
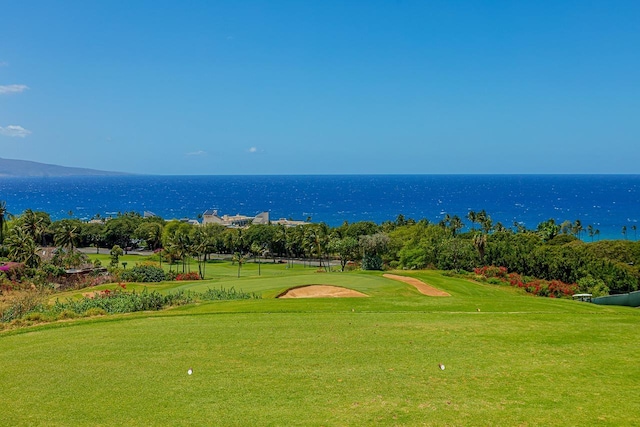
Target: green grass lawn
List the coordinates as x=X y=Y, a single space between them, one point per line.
x=519 y=360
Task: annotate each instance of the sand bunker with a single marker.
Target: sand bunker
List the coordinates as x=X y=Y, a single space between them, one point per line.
x=320 y=291
x=419 y=285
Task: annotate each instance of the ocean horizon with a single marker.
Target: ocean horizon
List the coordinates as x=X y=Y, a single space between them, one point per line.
x=606 y=202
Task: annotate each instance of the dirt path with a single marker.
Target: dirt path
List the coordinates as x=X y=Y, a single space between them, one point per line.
x=420 y=285
x=321 y=291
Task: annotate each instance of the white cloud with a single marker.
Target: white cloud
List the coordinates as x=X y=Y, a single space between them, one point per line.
x=197 y=153
x=13 y=89
x=13 y=130
x=253 y=150
x=4 y=64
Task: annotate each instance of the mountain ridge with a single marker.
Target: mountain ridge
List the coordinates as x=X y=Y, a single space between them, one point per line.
x=27 y=168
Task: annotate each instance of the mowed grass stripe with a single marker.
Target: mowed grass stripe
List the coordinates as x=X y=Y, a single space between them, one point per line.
x=323 y=369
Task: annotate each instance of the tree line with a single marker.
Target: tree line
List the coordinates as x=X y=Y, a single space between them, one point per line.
x=552 y=251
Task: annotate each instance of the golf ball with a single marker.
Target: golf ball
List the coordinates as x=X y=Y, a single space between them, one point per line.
x=190 y=371
x=441 y=366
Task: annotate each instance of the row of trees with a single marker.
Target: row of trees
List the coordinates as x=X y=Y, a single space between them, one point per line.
x=552 y=251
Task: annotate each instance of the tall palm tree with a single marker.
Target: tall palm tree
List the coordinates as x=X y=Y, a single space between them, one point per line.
x=67 y=235
x=577 y=228
x=473 y=217
x=480 y=242
x=456 y=224
x=33 y=225
x=239 y=258
x=634 y=228
x=590 y=231
x=445 y=221
x=624 y=231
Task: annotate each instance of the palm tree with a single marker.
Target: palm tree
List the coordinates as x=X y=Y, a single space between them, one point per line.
x=4 y=216
x=624 y=231
x=30 y=223
x=67 y=235
x=446 y=220
x=485 y=221
x=239 y=258
x=22 y=247
x=480 y=242
x=577 y=228
x=590 y=231
x=634 y=228
x=257 y=250
x=473 y=217
x=456 y=224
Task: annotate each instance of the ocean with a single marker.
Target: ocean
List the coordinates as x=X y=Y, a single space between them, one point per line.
x=607 y=202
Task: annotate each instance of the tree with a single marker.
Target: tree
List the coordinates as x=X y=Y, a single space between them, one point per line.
x=455 y=224
x=372 y=247
x=624 y=231
x=121 y=229
x=634 y=228
x=256 y=251
x=590 y=231
x=480 y=243
x=240 y=259
x=35 y=224
x=151 y=233
x=445 y=221
x=577 y=228
x=22 y=247
x=93 y=234
x=67 y=234
x=548 y=229
x=485 y=221
x=4 y=216
x=473 y=217
x=316 y=238
x=116 y=252
x=201 y=243
x=346 y=248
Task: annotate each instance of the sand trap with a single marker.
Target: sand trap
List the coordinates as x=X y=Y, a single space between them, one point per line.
x=420 y=285
x=320 y=291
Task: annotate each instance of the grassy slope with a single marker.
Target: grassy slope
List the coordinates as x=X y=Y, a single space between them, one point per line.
x=360 y=361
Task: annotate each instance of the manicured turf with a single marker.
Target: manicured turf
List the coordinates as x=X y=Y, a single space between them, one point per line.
x=519 y=360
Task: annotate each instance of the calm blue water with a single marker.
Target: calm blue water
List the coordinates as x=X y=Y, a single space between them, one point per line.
x=608 y=202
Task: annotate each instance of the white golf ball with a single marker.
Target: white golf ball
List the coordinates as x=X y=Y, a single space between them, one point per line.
x=442 y=366
x=190 y=371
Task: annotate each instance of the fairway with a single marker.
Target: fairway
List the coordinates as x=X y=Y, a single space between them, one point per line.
x=511 y=359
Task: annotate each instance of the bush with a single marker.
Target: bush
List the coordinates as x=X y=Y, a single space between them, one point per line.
x=539 y=287
x=372 y=262
x=192 y=275
x=143 y=273
x=18 y=304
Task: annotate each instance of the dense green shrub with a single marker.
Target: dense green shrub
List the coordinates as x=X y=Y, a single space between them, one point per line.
x=143 y=273
x=372 y=262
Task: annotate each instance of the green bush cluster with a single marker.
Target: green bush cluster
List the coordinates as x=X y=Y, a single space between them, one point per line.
x=123 y=302
x=143 y=273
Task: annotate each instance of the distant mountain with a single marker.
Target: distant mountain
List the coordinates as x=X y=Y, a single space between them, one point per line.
x=25 y=168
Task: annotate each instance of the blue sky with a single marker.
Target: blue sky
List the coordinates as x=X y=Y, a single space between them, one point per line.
x=322 y=87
